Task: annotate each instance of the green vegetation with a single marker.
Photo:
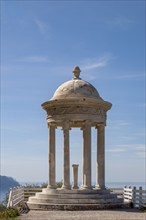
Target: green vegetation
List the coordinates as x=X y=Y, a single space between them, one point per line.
x=13 y=218
x=43 y=185
x=142 y=208
x=7 y=214
x=59 y=184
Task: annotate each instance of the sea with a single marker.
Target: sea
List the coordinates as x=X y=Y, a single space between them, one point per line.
x=3 y=193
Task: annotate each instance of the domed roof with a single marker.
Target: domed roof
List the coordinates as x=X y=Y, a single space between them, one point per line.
x=76 y=88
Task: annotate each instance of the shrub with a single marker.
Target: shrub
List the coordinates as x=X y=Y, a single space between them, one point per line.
x=142 y=208
x=44 y=185
x=9 y=213
x=131 y=205
x=2 y=207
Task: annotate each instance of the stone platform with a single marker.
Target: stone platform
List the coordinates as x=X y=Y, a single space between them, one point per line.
x=62 y=199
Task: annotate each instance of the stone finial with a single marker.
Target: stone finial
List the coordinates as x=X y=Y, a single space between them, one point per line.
x=76 y=71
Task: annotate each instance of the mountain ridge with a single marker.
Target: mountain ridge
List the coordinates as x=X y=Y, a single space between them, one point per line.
x=7 y=182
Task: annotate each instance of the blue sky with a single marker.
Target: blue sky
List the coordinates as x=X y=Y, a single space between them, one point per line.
x=41 y=42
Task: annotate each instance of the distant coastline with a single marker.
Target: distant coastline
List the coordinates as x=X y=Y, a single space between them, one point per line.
x=108 y=184
x=122 y=184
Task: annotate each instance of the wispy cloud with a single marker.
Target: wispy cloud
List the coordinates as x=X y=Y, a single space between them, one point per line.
x=34 y=59
x=141 y=155
x=116 y=150
x=123 y=75
x=90 y=65
x=143 y=105
x=138 y=150
x=94 y=63
x=117 y=124
x=121 y=22
x=41 y=25
x=130 y=76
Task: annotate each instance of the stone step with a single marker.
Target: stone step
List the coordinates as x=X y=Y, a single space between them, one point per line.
x=58 y=199
x=76 y=207
x=73 y=201
x=75 y=196
x=75 y=191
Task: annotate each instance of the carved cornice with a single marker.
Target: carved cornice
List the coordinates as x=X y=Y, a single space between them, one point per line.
x=84 y=102
x=99 y=111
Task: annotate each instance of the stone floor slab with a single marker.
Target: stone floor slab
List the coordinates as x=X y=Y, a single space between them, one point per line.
x=118 y=214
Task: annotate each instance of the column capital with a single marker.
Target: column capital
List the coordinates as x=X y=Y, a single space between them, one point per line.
x=52 y=124
x=75 y=165
x=66 y=126
x=100 y=125
x=85 y=124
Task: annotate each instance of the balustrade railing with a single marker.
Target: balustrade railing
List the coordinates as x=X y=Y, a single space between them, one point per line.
x=16 y=196
x=137 y=197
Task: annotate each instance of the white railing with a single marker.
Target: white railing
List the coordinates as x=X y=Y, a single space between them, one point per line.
x=16 y=196
x=137 y=197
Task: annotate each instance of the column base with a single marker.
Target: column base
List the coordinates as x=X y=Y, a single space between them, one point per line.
x=66 y=187
x=85 y=187
x=99 y=187
x=74 y=187
x=51 y=187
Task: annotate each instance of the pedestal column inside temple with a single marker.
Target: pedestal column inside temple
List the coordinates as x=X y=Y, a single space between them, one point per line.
x=75 y=176
x=66 y=157
x=100 y=179
x=52 y=171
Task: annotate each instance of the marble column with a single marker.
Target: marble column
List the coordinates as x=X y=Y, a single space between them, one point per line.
x=86 y=156
x=100 y=178
x=66 y=157
x=75 y=176
x=52 y=171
